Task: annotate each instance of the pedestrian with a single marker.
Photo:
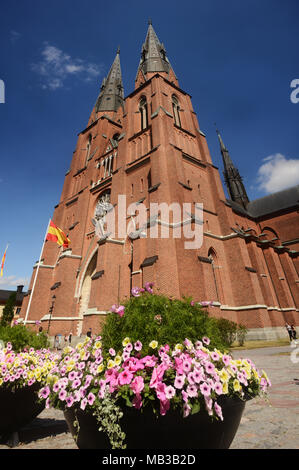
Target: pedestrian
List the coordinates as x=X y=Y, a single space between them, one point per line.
x=89 y=333
x=289 y=330
x=70 y=338
x=294 y=332
x=65 y=339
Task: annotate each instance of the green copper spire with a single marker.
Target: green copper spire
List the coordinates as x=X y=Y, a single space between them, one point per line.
x=112 y=92
x=153 y=54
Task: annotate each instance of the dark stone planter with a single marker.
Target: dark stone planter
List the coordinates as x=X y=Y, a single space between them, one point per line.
x=145 y=431
x=18 y=408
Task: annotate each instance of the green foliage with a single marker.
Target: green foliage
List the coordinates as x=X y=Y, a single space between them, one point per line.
x=20 y=337
x=228 y=331
x=8 y=311
x=231 y=331
x=156 y=317
x=241 y=334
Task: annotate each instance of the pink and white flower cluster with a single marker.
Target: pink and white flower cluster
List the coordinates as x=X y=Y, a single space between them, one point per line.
x=25 y=368
x=187 y=377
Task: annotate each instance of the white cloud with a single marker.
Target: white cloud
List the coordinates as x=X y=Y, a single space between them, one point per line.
x=278 y=173
x=13 y=281
x=14 y=36
x=55 y=67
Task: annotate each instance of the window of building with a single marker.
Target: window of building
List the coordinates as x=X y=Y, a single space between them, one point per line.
x=143 y=113
x=176 y=111
x=88 y=147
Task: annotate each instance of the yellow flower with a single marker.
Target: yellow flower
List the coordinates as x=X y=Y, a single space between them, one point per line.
x=98 y=344
x=179 y=347
x=126 y=341
x=225 y=388
x=1 y=381
x=237 y=385
x=153 y=344
x=100 y=368
x=79 y=346
x=224 y=377
x=110 y=364
x=117 y=360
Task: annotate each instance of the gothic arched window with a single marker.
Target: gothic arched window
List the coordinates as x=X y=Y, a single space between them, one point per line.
x=143 y=112
x=176 y=111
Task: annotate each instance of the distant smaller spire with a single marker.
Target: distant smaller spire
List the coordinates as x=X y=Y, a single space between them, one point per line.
x=232 y=178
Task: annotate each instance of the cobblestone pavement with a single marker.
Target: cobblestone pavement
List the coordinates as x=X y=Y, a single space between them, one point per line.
x=264 y=425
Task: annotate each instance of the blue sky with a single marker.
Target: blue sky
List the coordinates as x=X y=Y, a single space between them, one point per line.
x=236 y=59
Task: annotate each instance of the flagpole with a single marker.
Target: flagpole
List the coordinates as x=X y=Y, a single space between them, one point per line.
x=32 y=290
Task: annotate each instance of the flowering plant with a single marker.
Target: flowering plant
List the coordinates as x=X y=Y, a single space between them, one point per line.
x=25 y=368
x=188 y=377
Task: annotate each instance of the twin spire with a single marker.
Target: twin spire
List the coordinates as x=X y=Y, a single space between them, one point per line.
x=153 y=59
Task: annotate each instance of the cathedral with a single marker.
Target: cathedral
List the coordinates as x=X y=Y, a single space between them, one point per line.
x=148 y=148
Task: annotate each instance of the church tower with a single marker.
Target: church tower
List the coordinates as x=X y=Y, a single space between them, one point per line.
x=141 y=160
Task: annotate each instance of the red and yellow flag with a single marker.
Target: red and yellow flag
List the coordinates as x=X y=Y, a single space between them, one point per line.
x=55 y=234
x=2 y=262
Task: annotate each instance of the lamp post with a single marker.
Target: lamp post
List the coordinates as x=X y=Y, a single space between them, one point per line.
x=50 y=311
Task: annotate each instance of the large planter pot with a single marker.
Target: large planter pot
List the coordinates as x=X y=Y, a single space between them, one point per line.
x=18 y=408
x=146 y=431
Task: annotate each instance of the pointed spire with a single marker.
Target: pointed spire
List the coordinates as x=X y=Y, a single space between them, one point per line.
x=153 y=54
x=112 y=91
x=232 y=178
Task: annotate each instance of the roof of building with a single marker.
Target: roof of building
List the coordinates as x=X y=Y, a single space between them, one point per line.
x=282 y=200
x=4 y=296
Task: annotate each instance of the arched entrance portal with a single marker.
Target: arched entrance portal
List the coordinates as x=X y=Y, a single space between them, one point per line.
x=85 y=291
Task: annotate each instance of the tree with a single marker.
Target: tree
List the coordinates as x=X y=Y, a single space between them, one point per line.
x=8 y=311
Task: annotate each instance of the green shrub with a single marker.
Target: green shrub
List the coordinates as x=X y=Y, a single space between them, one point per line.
x=228 y=331
x=156 y=317
x=20 y=337
x=8 y=311
x=241 y=334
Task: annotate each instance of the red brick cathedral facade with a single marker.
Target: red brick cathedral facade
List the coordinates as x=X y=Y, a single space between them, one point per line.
x=149 y=148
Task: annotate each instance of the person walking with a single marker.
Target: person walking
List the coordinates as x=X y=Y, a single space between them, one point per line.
x=294 y=332
x=70 y=337
x=289 y=330
x=89 y=333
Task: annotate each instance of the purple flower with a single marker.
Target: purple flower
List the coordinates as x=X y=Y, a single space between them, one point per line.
x=69 y=401
x=62 y=395
x=205 y=389
x=218 y=410
x=91 y=398
x=148 y=287
x=206 y=340
x=45 y=391
x=136 y=291
x=138 y=346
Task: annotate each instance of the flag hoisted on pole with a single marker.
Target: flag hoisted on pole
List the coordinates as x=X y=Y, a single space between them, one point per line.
x=55 y=234
x=2 y=262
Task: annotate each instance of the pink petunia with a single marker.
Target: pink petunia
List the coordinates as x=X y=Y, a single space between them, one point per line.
x=91 y=398
x=206 y=340
x=205 y=389
x=125 y=377
x=170 y=392
x=138 y=346
x=179 y=381
x=137 y=384
x=69 y=401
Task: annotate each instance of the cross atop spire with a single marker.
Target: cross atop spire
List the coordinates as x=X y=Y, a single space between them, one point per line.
x=112 y=92
x=233 y=180
x=153 y=54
